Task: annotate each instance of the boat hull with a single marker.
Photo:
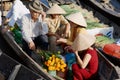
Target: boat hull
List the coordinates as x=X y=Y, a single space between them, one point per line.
x=106 y=71
x=10 y=69
x=112 y=15
x=24 y=57
x=113 y=59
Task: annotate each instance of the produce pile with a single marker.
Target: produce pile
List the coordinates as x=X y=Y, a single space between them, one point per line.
x=102 y=40
x=92 y=22
x=53 y=61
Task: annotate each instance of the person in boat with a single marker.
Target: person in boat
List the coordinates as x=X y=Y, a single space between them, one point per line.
x=78 y=25
x=13 y=19
x=86 y=65
x=15 y=14
x=34 y=29
x=55 y=20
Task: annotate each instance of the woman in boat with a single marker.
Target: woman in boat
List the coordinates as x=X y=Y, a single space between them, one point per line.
x=55 y=20
x=34 y=29
x=86 y=59
x=78 y=25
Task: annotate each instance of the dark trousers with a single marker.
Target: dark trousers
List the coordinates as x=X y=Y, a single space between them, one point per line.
x=40 y=41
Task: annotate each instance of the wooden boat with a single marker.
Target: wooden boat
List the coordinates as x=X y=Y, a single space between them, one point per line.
x=10 y=69
x=28 y=60
x=116 y=35
x=105 y=66
x=109 y=8
x=111 y=58
x=110 y=50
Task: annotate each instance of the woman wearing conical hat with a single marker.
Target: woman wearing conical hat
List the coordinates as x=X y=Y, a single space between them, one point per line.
x=78 y=25
x=86 y=60
x=54 y=22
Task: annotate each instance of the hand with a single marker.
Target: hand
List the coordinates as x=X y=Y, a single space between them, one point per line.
x=61 y=40
x=68 y=49
x=5 y=21
x=32 y=45
x=43 y=15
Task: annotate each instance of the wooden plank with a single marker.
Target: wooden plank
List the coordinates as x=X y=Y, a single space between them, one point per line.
x=14 y=72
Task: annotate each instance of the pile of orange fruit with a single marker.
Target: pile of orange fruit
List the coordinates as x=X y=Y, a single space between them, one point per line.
x=55 y=63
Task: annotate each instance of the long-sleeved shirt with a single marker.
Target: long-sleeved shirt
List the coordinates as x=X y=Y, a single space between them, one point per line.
x=31 y=29
x=16 y=12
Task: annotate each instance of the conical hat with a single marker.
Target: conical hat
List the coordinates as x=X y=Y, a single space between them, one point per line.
x=77 y=18
x=56 y=10
x=83 y=41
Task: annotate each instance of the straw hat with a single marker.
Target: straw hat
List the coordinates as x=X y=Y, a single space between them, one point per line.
x=56 y=10
x=77 y=18
x=36 y=6
x=83 y=41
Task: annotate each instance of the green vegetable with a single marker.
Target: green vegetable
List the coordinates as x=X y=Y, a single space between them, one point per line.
x=68 y=9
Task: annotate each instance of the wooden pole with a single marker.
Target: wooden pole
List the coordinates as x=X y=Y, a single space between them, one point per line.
x=2 y=12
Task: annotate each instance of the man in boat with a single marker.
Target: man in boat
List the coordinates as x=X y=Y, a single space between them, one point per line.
x=34 y=29
x=55 y=20
x=15 y=13
x=13 y=18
